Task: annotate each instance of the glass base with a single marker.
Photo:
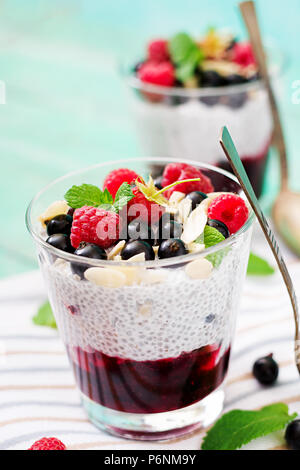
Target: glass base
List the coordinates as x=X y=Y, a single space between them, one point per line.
x=156 y=426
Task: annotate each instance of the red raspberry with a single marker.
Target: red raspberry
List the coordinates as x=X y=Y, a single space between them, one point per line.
x=94 y=225
x=140 y=207
x=117 y=177
x=158 y=50
x=229 y=209
x=172 y=172
x=162 y=73
x=242 y=54
x=48 y=443
x=181 y=171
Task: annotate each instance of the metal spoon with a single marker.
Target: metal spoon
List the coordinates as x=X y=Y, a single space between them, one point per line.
x=239 y=170
x=286 y=209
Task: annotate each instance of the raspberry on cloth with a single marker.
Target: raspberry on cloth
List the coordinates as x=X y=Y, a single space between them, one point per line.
x=48 y=443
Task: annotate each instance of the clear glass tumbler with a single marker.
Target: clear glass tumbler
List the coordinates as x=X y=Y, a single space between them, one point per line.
x=151 y=351
x=180 y=121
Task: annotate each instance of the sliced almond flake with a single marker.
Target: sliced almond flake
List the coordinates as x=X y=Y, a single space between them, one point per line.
x=184 y=210
x=139 y=257
x=206 y=203
x=223 y=67
x=132 y=274
x=195 y=247
x=176 y=197
x=56 y=208
x=116 y=249
x=153 y=276
x=105 y=277
x=194 y=225
x=199 y=269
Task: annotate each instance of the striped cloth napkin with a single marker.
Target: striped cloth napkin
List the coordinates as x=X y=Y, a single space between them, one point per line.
x=37 y=392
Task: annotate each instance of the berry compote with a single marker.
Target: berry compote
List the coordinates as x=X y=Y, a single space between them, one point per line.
x=149 y=386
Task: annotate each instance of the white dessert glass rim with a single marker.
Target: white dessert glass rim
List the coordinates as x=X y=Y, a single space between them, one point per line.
x=149 y=264
x=125 y=69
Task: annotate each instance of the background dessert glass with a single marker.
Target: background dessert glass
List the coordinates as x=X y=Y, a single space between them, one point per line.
x=182 y=121
x=179 y=121
x=149 y=355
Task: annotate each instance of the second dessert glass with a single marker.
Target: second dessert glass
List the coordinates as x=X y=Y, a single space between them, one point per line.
x=149 y=354
x=179 y=121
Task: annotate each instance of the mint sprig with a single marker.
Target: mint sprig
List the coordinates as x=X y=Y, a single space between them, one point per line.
x=90 y=195
x=84 y=195
x=123 y=196
x=44 y=316
x=211 y=237
x=239 y=427
x=258 y=266
x=186 y=54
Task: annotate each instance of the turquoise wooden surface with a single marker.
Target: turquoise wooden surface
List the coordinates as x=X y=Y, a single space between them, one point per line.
x=66 y=106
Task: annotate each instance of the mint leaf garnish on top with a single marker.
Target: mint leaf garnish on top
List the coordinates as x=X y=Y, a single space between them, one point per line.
x=90 y=195
x=239 y=427
x=186 y=54
x=123 y=196
x=212 y=236
x=44 y=316
x=106 y=197
x=186 y=70
x=85 y=195
x=259 y=267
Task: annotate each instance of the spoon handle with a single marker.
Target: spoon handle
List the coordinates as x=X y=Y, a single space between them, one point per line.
x=250 y=17
x=239 y=170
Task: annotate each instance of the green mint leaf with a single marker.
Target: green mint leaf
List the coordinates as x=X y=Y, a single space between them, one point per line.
x=106 y=200
x=238 y=427
x=84 y=195
x=186 y=55
x=106 y=197
x=212 y=236
x=123 y=196
x=259 y=267
x=44 y=316
x=89 y=195
x=217 y=257
x=180 y=46
x=186 y=70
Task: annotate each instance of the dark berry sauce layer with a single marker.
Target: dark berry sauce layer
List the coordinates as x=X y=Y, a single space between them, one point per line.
x=149 y=386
